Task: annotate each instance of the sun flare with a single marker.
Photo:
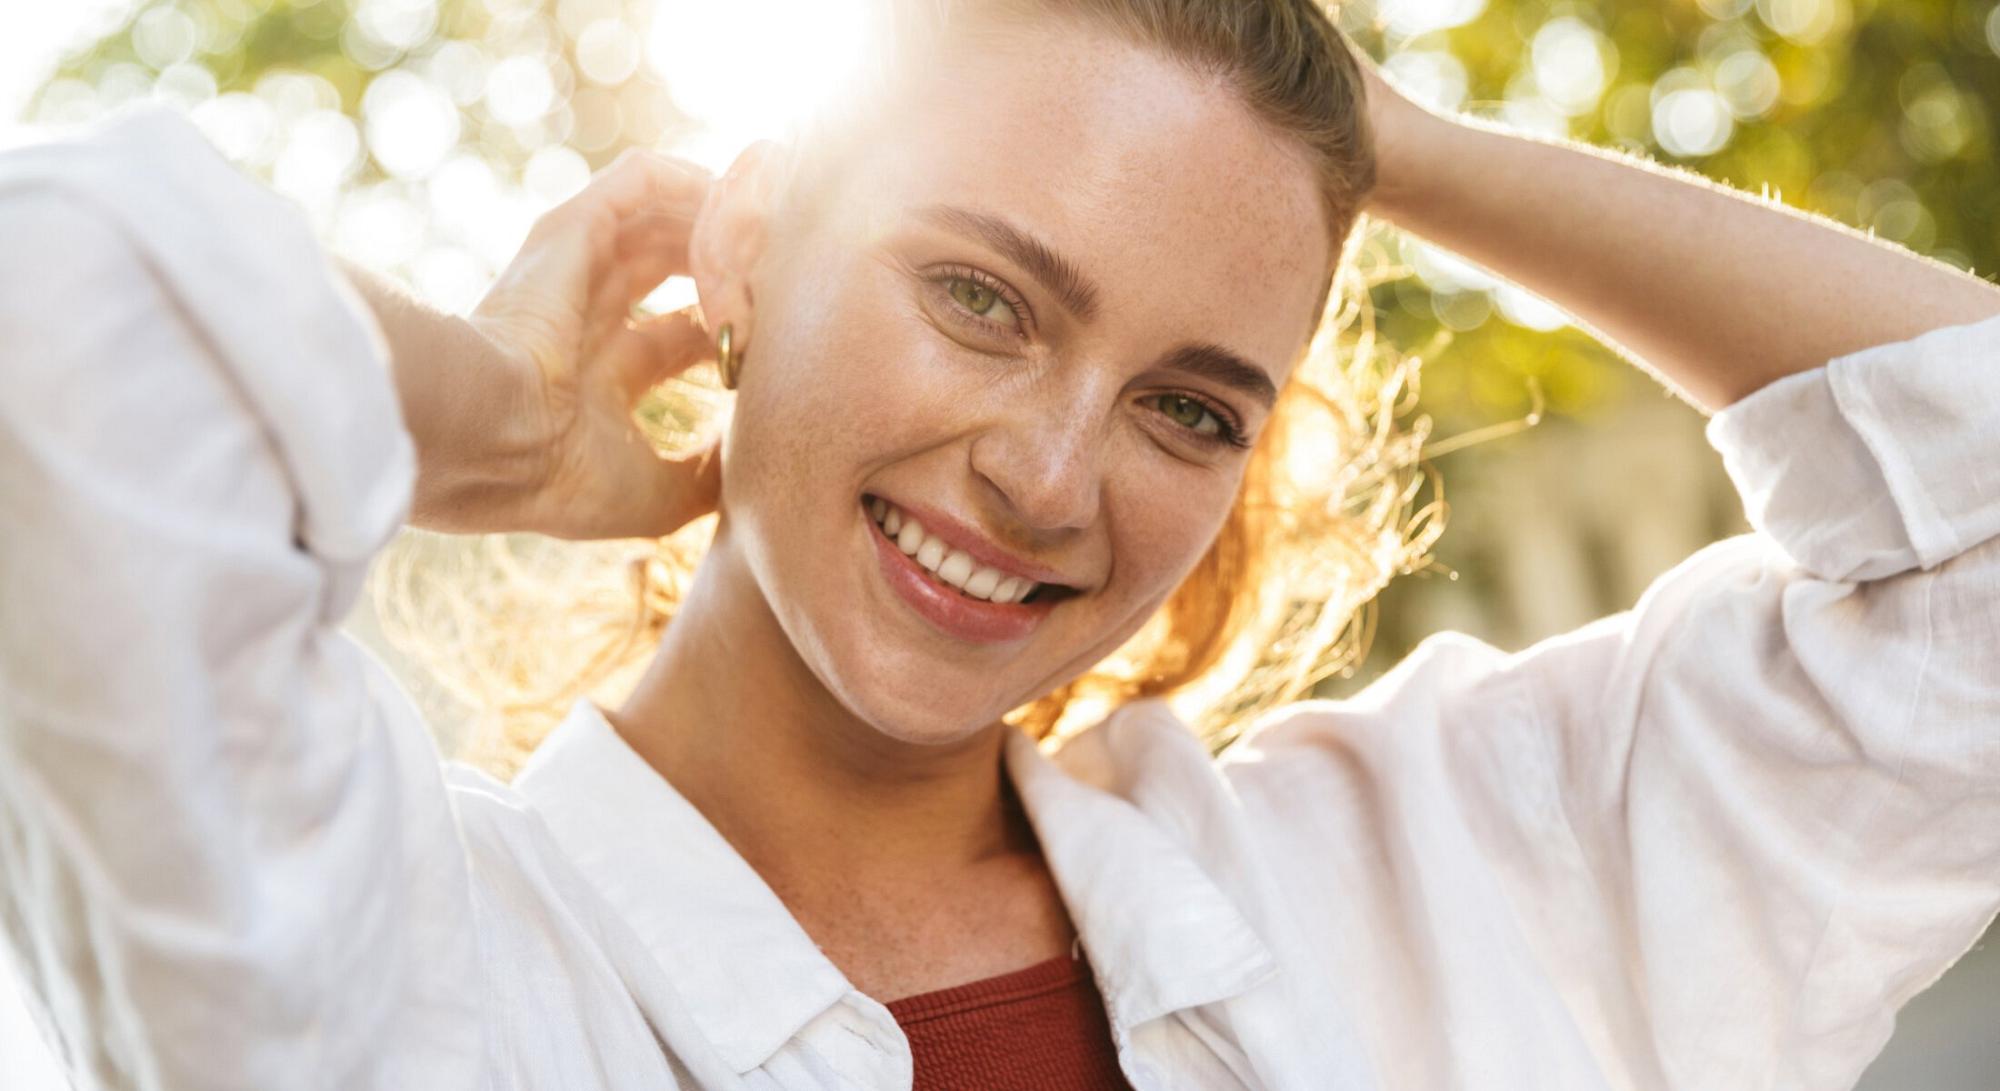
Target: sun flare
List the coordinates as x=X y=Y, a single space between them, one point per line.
x=749 y=69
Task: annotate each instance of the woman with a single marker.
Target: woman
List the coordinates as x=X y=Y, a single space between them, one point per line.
x=1036 y=299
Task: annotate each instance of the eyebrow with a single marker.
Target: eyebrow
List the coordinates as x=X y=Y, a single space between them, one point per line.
x=1220 y=365
x=1057 y=273
x=1078 y=294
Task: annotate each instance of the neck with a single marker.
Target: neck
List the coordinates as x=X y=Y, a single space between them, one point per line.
x=812 y=796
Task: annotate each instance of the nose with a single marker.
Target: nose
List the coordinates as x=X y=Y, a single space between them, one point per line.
x=1044 y=458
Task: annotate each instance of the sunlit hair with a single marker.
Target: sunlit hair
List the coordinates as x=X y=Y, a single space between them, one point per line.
x=519 y=627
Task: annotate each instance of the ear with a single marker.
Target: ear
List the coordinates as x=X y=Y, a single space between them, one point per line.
x=728 y=240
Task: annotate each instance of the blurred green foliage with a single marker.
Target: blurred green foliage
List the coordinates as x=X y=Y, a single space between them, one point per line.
x=1882 y=118
x=1877 y=113
x=349 y=43
x=422 y=136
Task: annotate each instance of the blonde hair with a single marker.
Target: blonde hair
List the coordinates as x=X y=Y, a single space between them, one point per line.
x=1326 y=516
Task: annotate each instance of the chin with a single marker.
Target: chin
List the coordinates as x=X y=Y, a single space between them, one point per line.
x=917 y=733
x=918 y=704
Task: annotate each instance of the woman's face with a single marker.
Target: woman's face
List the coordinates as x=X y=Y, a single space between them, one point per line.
x=1034 y=313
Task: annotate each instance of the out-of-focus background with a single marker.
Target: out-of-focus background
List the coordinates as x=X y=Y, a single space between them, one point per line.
x=423 y=136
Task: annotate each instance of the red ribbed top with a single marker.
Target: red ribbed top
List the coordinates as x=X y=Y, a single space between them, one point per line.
x=1042 y=1026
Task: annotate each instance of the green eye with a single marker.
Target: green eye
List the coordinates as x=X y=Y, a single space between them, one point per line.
x=1188 y=413
x=981 y=300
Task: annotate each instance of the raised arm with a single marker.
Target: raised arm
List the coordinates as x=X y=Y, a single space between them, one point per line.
x=229 y=858
x=225 y=844
x=1717 y=291
x=1715 y=840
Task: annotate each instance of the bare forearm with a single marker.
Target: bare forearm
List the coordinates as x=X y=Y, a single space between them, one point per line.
x=462 y=401
x=1718 y=291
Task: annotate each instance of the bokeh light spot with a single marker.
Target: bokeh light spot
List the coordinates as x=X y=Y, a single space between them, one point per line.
x=322 y=151
x=555 y=173
x=1572 y=63
x=1445 y=271
x=412 y=124
x=164 y=37
x=242 y=125
x=1748 y=83
x=519 y=91
x=185 y=86
x=608 y=52
x=1462 y=311
x=450 y=278
x=296 y=94
x=378 y=227
x=1807 y=22
x=459 y=69
x=1528 y=310
x=1432 y=77
x=1689 y=118
x=1409 y=18
x=398 y=24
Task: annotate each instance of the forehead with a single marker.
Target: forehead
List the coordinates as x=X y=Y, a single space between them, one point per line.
x=1196 y=221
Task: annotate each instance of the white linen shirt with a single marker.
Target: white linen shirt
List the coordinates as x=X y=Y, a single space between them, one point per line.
x=1711 y=842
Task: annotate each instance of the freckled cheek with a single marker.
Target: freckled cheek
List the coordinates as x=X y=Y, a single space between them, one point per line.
x=1164 y=525
x=898 y=387
x=860 y=380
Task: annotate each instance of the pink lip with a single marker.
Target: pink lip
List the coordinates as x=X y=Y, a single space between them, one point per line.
x=952 y=613
x=959 y=536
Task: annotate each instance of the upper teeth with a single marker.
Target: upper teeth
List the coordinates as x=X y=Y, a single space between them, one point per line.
x=953 y=566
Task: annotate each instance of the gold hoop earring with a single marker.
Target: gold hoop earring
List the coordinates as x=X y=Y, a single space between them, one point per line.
x=726 y=360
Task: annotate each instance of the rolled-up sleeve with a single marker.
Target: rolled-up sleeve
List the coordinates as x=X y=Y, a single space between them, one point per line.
x=1881 y=461
x=1735 y=827
x=227 y=859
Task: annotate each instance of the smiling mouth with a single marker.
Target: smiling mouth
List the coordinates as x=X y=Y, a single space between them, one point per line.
x=952 y=569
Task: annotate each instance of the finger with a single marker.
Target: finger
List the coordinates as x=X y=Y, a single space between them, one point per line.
x=650 y=224
x=641 y=180
x=650 y=352
x=646 y=271
x=647 y=235
x=655 y=495
x=605 y=314
x=550 y=266
x=637 y=183
x=650 y=248
x=646 y=197
x=625 y=285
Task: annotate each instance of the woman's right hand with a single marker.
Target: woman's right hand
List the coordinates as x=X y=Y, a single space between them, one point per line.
x=559 y=315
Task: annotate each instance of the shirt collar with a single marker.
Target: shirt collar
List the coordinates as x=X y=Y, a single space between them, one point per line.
x=750 y=975
x=1161 y=935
